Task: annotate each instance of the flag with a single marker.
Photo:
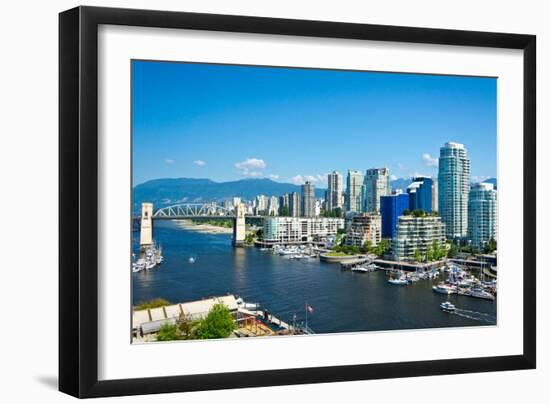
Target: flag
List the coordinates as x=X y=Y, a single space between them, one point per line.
x=309 y=308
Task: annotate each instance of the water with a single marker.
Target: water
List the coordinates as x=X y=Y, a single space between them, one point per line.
x=342 y=301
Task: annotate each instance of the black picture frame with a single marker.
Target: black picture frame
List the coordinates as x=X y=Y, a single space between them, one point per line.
x=78 y=200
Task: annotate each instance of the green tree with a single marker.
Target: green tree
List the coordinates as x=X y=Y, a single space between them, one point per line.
x=284 y=211
x=367 y=246
x=437 y=251
x=406 y=212
x=417 y=255
x=187 y=327
x=429 y=254
x=168 y=332
x=418 y=213
x=491 y=246
x=249 y=238
x=151 y=304
x=217 y=324
x=453 y=250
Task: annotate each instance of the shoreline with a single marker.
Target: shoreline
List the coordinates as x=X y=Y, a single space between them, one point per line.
x=202 y=228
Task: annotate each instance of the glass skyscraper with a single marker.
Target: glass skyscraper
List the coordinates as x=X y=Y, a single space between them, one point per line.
x=391 y=207
x=308 y=199
x=354 y=186
x=334 y=191
x=420 y=194
x=376 y=184
x=482 y=214
x=453 y=190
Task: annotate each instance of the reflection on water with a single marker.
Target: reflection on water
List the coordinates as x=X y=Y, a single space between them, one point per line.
x=342 y=300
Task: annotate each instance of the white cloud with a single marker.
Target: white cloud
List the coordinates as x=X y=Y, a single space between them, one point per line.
x=250 y=167
x=297 y=179
x=479 y=178
x=417 y=174
x=250 y=163
x=319 y=179
x=402 y=167
x=393 y=177
x=429 y=160
x=200 y=163
x=169 y=161
x=273 y=177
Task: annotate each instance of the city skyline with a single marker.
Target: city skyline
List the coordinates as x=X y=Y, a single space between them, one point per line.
x=295 y=125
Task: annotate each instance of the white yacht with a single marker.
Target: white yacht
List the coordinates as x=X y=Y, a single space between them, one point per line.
x=444 y=289
x=398 y=281
x=478 y=292
x=360 y=269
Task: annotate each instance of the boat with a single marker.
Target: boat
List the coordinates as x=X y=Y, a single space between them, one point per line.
x=191 y=260
x=398 y=281
x=372 y=267
x=479 y=293
x=443 y=289
x=360 y=269
x=447 y=306
x=248 y=306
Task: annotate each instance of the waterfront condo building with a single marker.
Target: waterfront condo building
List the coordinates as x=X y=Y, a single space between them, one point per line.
x=294 y=204
x=354 y=187
x=299 y=229
x=391 y=207
x=376 y=184
x=482 y=214
x=308 y=199
x=453 y=189
x=364 y=227
x=421 y=194
x=334 y=191
x=417 y=234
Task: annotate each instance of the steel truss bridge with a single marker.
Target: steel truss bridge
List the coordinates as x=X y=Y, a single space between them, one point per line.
x=195 y=211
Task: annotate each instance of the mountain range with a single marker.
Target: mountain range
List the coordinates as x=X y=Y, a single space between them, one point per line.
x=169 y=191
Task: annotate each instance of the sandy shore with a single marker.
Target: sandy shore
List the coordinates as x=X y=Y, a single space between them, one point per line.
x=203 y=227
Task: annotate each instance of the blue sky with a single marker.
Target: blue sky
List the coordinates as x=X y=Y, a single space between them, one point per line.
x=232 y=122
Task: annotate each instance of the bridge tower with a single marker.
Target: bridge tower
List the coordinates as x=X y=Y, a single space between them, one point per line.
x=146 y=230
x=239 y=229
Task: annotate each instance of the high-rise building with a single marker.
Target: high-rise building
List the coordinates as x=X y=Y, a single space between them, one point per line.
x=434 y=195
x=421 y=194
x=261 y=204
x=334 y=191
x=376 y=184
x=414 y=235
x=273 y=206
x=294 y=204
x=364 y=227
x=482 y=214
x=391 y=207
x=354 y=186
x=453 y=188
x=284 y=205
x=308 y=199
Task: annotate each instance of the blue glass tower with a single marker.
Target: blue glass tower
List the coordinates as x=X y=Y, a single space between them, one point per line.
x=420 y=194
x=391 y=207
